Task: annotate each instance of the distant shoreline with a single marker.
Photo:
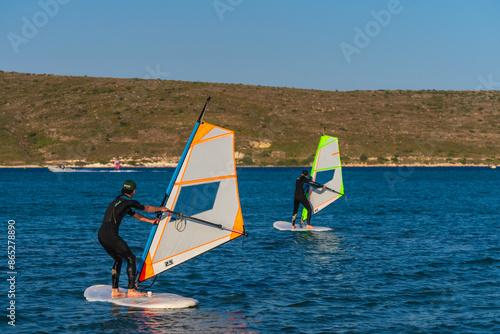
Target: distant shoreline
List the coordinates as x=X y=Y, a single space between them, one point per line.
x=252 y=166
x=86 y=121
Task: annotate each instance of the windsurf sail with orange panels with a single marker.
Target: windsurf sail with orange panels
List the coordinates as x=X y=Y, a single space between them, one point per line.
x=203 y=197
x=326 y=170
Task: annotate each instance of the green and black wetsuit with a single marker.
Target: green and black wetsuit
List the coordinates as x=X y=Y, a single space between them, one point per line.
x=114 y=245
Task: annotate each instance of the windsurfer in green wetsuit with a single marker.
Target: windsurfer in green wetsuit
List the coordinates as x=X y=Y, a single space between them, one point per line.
x=300 y=197
x=114 y=245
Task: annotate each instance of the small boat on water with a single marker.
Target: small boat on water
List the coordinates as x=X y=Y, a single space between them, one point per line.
x=60 y=168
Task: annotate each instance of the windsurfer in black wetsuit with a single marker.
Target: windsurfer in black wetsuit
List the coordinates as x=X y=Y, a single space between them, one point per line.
x=114 y=245
x=301 y=185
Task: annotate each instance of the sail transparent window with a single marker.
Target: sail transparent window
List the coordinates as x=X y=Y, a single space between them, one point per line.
x=324 y=176
x=197 y=198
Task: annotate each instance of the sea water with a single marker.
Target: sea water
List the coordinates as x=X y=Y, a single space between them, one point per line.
x=413 y=250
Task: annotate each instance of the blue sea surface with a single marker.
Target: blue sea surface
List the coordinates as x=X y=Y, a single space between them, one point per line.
x=413 y=250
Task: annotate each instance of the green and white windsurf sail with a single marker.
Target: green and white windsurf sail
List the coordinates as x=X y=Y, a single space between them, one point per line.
x=326 y=170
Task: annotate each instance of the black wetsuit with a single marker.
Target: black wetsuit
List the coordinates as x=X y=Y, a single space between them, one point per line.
x=114 y=245
x=301 y=185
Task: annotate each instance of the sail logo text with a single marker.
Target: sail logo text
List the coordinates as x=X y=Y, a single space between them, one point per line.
x=169 y=262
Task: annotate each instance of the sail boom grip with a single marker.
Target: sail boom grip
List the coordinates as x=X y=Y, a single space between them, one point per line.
x=202 y=221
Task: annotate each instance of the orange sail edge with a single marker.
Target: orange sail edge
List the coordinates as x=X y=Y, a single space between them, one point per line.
x=147 y=269
x=203 y=129
x=238 y=226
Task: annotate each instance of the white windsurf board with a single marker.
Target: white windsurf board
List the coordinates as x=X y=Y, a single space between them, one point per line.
x=102 y=293
x=286 y=226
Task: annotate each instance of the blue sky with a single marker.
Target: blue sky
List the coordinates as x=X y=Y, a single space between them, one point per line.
x=328 y=45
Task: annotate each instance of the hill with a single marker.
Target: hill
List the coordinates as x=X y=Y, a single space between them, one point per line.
x=86 y=120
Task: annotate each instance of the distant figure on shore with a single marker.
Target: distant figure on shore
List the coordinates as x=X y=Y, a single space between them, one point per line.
x=301 y=186
x=114 y=245
x=117 y=164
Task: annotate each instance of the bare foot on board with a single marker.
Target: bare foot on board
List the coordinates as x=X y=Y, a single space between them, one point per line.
x=309 y=226
x=134 y=293
x=115 y=293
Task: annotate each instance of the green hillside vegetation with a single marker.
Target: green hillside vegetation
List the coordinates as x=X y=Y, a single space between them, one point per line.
x=84 y=120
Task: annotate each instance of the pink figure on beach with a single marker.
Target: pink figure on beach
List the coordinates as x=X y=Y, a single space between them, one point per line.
x=117 y=164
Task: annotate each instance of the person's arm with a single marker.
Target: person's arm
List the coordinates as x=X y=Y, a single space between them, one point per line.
x=150 y=208
x=315 y=184
x=140 y=217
